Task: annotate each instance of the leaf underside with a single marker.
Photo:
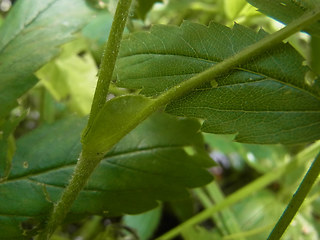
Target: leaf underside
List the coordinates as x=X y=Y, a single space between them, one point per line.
x=287 y=11
x=264 y=101
x=30 y=37
x=157 y=161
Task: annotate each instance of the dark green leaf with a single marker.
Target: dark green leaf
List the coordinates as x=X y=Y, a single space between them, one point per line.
x=265 y=101
x=153 y=162
x=315 y=56
x=7 y=143
x=288 y=10
x=142 y=7
x=30 y=37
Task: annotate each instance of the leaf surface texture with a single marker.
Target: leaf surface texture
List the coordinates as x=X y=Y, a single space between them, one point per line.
x=266 y=100
x=158 y=160
x=30 y=37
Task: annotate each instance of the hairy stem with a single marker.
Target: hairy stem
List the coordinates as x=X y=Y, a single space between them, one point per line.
x=87 y=162
x=213 y=72
x=297 y=200
x=82 y=172
x=109 y=57
x=85 y=168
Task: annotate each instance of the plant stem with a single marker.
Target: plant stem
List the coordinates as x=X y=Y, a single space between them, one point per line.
x=207 y=203
x=244 y=192
x=297 y=200
x=83 y=170
x=213 y=72
x=87 y=162
x=228 y=218
x=109 y=57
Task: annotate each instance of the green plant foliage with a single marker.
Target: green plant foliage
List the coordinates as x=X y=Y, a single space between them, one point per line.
x=258 y=213
x=263 y=158
x=233 y=7
x=151 y=163
x=288 y=10
x=118 y=113
x=97 y=32
x=7 y=144
x=315 y=55
x=30 y=36
x=145 y=223
x=99 y=28
x=200 y=233
x=71 y=78
x=258 y=100
x=142 y=7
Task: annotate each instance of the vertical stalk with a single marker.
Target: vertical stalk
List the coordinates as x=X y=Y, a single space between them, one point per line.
x=87 y=162
x=297 y=200
x=109 y=57
x=83 y=170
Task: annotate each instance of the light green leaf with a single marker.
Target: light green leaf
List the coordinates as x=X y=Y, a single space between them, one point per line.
x=258 y=214
x=233 y=7
x=145 y=223
x=71 y=78
x=116 y=116
x=149 y=164
x=99 y=28
x=264 y=101
x=200 y=233
x=288 y=10
x=30 y=36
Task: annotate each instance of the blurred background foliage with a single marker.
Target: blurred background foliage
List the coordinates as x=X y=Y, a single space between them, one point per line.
x=239 y=164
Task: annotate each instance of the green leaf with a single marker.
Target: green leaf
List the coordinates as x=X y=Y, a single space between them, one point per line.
x=264 y=101
x=145 y=223
x=117 y=115
x=7 y=143
x=30 y=38
x=142 y=7
x=99 y=28
x=200 y=233
x=151 y=163
x=288 y=10
x=259 y=212
x=70 y=77
x=315 y=56
x=233 y=7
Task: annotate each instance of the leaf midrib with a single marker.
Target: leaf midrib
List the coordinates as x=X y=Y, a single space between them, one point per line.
x=216 y=62
x=247 y=111
x=25 y=26
x=21 y=177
